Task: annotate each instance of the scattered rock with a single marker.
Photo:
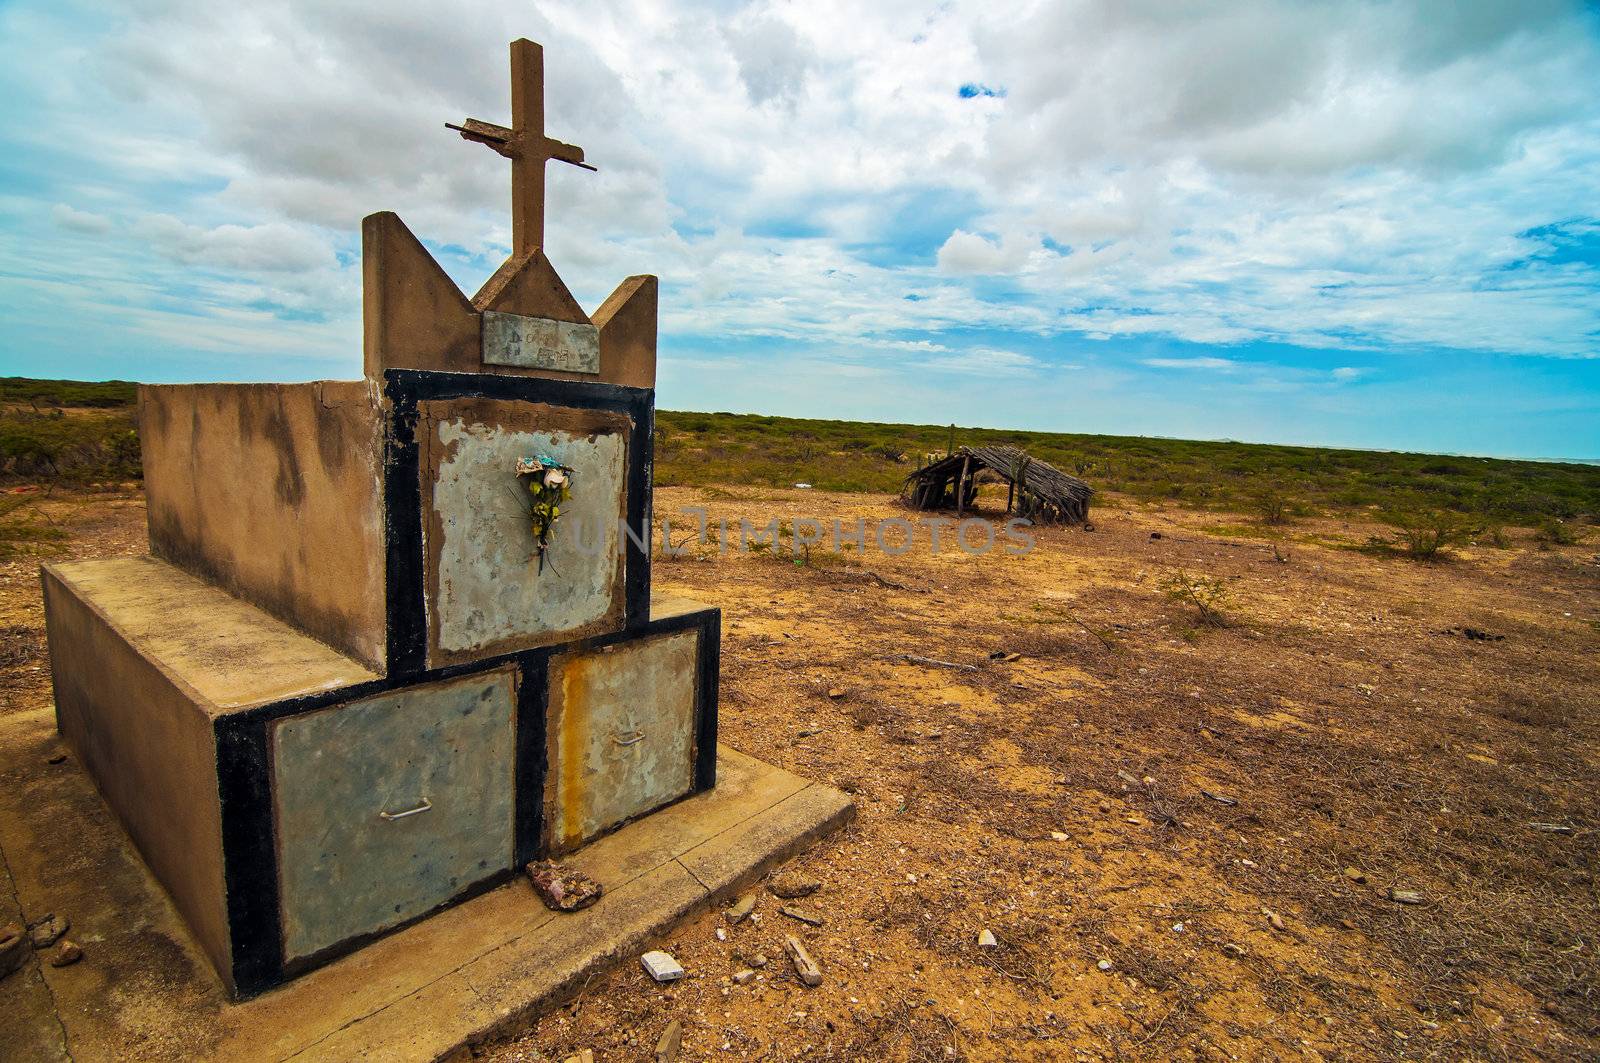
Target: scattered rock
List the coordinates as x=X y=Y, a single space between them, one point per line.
x=671 y=1041
x=1236 y=951
x=14 y=948
x=836 y=692
x=1104 y=965
x=1346 y=924
x=809 y=732
x=1155 y=535
x=1355 y=874
x=722 y=935
x=791 y=885
x=584 y=1055
x=804 y=966
x=1059 y=836
x=44 y=933
x=1135 y=820
x=758 y=961
x=1405 y=896
x=1551 y=828
x=934 y=736
x=67 y=953
x=661 y=967
x=1473 y=634
x=55 y=758
x=561 y=888
x=741 y=908
x=1105 y=806
x=805 y=917
x=1002 y=655
x=986 y=939
x=744 y=977
x=1273 y=919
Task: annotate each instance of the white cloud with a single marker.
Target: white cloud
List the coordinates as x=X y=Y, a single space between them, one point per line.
x=1338 y=175
x=81 y=221
x=1203 y=362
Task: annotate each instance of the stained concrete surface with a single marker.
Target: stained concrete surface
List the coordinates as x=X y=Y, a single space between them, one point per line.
x=144 y=992
x=274 y=492
x=621 y=734
x=478 y=534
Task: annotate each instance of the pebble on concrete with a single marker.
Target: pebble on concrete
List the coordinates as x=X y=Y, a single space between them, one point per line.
x=67 y=953
x=46 y=931
x=661 y=967
x=561 y=888
x=14 y=948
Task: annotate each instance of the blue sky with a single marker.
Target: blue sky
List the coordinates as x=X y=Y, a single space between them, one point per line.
x=1337 y=223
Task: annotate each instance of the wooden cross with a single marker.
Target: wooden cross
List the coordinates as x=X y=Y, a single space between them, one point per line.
x=525 y=145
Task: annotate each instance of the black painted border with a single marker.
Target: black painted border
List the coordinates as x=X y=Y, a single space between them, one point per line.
x=404 y=554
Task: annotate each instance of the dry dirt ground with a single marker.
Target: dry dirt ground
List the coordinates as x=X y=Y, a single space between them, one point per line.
x=1182 y=836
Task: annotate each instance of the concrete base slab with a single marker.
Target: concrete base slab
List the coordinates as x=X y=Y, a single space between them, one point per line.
x=143 y=991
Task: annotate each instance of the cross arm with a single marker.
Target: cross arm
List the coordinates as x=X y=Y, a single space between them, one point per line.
x=498 y=137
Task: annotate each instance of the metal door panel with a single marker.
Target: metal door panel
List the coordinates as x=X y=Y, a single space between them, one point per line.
x=390 y=806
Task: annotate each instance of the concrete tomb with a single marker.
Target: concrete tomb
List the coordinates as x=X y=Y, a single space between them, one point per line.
x=394 y=638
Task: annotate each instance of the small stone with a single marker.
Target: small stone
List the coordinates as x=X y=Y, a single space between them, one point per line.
x=1405 y=896
x=934 y=736
x=1105 y=806
x=561 y=888
x=44 y=933
x=741 y=908
x=1104 y=965
x=986 y=939
x=14 y=948
x=1059 y=836
x=1355 y=874
x=1346 y=924
x=67 y=953
x=722 y=935
x=1236 y=951
x=55 y=758
x=1135 y=820
x=1273 y=919
x=809 y=732
x=661 y=967
x=744 y=977
x=792 y=885
x=671 y=1041
x=836 y=692
x=804 y=966
x=803 y=916
x=759 y=960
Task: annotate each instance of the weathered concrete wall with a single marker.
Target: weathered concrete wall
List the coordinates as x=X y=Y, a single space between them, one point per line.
x=486 y=592
x=414 y=316
x=621 y=738
x=274 y=492
x=150 y=748
x=350 y=861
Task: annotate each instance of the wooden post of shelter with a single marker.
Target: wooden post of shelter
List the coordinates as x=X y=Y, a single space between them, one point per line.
x=961 y=486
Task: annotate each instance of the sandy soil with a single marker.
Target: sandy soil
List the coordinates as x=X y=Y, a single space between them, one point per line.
x=1068 y=800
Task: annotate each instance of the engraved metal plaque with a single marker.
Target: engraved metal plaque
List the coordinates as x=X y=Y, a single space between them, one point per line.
x=540 y=343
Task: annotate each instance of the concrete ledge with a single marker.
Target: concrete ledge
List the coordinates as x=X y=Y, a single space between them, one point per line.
x=474 y=971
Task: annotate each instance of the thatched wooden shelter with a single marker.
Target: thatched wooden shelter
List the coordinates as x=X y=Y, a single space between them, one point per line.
x=1038 y=490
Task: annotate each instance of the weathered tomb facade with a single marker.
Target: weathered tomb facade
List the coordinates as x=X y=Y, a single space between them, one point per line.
x=352 y=683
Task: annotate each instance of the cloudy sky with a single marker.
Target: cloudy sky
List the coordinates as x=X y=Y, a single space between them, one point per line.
x=1343 y=223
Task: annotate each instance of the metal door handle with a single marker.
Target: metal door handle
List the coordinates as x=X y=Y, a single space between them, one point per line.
x=392 y=816
x=637 y=736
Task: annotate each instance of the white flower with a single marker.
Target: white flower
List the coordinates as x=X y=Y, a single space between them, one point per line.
x=554 y=478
